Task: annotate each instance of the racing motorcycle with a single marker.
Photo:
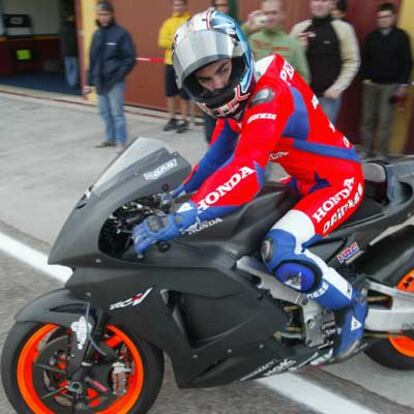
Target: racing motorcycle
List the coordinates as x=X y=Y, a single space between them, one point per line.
x=206 y=299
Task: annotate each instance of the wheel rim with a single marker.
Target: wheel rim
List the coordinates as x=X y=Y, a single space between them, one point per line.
x=114 y=338
x=403 y=344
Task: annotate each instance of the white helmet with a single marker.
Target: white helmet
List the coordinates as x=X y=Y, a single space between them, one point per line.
x=205 y=38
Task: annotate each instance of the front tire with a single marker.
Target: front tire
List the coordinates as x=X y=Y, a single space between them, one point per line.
x=396 y=352
x=33 y=366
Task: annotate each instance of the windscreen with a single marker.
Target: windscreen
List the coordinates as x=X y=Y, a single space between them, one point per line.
x=138 y=150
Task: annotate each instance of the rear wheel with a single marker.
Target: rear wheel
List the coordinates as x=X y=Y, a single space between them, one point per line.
x=34 y=372
x=396 y=352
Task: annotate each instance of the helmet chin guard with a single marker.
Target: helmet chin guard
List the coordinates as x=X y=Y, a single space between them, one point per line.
x=206 y=38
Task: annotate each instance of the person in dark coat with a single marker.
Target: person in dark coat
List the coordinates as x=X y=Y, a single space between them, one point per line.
x=111 y=57
x=385 y=72
x=69 y=50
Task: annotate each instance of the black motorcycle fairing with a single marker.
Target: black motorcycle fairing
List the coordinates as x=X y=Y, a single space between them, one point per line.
x=246 y=351
x=59 y=306
x=383 y=259
x=247 y=318
x=234 y=235
x=78 y=241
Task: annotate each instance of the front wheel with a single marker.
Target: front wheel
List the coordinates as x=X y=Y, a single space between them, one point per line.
x=396 y=352
x=34 y=372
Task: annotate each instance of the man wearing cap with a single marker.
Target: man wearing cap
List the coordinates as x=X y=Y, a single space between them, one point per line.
x=111 y=56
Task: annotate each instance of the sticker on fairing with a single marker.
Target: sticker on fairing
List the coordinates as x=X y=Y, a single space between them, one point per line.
x=81 y=328
x=134 y=301
x=201 y=225
x=162 y=169
x=347 y=254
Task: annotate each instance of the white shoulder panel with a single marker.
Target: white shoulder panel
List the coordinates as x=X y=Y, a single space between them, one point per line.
x=262 y=65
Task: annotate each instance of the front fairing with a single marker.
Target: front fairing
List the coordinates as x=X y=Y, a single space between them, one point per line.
x=147 y=167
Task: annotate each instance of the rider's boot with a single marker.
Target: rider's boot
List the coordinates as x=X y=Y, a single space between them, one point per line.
x=351 y=310
x=351 y=322
x=303 y=271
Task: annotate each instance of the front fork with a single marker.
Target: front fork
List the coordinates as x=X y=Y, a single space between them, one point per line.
x=87 y=333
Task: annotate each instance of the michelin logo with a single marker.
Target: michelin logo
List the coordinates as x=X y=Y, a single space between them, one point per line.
x=161 y=170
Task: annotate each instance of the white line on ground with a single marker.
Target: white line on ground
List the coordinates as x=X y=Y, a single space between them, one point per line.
x=33 y=258
x=312 y=395
x=289 y=385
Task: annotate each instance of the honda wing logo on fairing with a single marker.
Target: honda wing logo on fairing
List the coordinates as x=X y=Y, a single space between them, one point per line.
x=134 y=301
x=159 y=171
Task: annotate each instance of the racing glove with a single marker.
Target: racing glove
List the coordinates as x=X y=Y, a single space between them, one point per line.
x=163 y=227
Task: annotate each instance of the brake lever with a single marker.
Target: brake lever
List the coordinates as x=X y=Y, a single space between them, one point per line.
x=163 y=246
x=166 y=202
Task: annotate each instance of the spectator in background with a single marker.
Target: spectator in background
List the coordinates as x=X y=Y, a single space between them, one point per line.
x=332 y=52
x=386 y=68
x=209 y=122
x=165 y=41
x=266 y=36
x=221 y=5
x=111 y=58
x=69 y=50
x=339 y=9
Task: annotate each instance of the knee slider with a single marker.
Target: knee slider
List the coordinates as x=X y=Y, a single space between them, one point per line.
x=298 y=276
x=294 y=270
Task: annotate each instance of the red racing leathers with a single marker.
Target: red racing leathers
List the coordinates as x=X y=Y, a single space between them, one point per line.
x=283 y=123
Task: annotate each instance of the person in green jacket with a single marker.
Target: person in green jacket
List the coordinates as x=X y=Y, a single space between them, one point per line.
x=266 y=36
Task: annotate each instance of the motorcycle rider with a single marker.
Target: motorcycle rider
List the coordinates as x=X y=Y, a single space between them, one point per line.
x=266 y=112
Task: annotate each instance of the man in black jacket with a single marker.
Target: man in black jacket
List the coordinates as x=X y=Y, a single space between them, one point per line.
x=69 y=50
x=333 y=54
x=385 y=70
x=111 y=57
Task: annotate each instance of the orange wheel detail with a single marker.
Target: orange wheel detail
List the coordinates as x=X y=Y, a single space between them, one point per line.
x=33 y=348
x=403 y=344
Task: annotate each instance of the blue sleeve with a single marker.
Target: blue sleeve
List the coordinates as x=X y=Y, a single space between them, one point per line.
x=217 y=155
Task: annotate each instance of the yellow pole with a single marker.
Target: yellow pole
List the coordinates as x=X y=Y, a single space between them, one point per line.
x=403 y=115
x=88 y=28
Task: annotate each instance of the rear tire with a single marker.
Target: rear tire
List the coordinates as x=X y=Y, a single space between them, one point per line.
x=396 y=352
x=27 y=342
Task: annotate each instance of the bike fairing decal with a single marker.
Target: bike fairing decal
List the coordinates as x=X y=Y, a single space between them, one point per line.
x=81 y=329
x=134 y=301
x=161 y=170
x=201 y=225
x=346 y=255
x=276 y=366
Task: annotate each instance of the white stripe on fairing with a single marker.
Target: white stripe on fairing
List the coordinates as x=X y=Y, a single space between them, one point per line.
x=313 y=396
x=289 y=385
x=33 y=258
